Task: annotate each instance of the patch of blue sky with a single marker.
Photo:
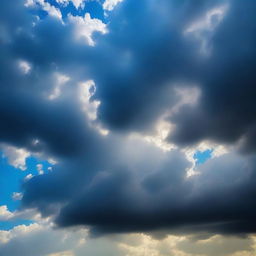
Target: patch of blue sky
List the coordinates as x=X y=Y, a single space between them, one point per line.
x=11 y=180
x=202 y=157
x=7 y=225
x=32 y=162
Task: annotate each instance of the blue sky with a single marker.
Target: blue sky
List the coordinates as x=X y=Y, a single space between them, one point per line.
x=11 y=180
x=93 y=7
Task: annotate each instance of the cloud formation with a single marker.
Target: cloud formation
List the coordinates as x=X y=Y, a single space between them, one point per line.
x=187 y=63
x=18 y=241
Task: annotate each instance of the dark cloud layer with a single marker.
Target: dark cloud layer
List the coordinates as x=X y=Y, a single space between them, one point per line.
x=213 y=202
x=120 y=183
x=227 y=109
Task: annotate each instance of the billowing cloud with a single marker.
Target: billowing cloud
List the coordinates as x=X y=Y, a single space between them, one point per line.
x=16 y=156
x=109 y=5
x=85 y=26
x=92 y=95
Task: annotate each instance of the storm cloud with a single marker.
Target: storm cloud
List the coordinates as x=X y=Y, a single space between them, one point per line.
x=92 y=100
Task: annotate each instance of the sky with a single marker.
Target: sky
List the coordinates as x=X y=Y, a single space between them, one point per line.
x=127 y=128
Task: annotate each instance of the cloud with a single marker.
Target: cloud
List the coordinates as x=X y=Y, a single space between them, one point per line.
x=109 y=5
x=42 y=240
x=76 y=3
x=60 y=81
x=39 y=168
x=217 y=245
x=24 y=66
x=203 y=28
x=33 y=240
x=226 y=81
x=207 y=202
x=5 y=214
x=17 y=196
x=16 y=156
x=86 y=26
x=87 y=90
x=50 y=9
x=18 y=241
x=147 y=71
x=27 y=214
x=139 y=245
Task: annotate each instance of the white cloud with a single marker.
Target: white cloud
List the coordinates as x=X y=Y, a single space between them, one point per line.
x=17 y=232
x=24 y=66
x=86 y=91
x=30 y=3
x=45 y=241
x=85 y=27
x=218 y=245
x=109 y=5
x=63 y=2
x=28 y=177
x=162 y=130
x=5 y=214
x=76 y=3
x=39 y=168
x=16 y=156
x=90 y=107
x=28 y=214
x=16 y=196
x=50 y=9
x=52 y=161
x=4 y=236
x=60 y=81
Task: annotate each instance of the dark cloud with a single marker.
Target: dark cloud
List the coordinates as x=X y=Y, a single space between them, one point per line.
x=226 y=111
x=25 y=112
x=119 y=183
x=146 y=54
x=144 y=48
x=118 y=199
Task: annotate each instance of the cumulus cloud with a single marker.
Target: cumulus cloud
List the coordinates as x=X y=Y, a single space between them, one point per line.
x=86 y=26
x=5 y=214
x=109 y=5
x=16 y=156
x=18 y=241
x=76 y=3
x=50 y=9
x=54 y=242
